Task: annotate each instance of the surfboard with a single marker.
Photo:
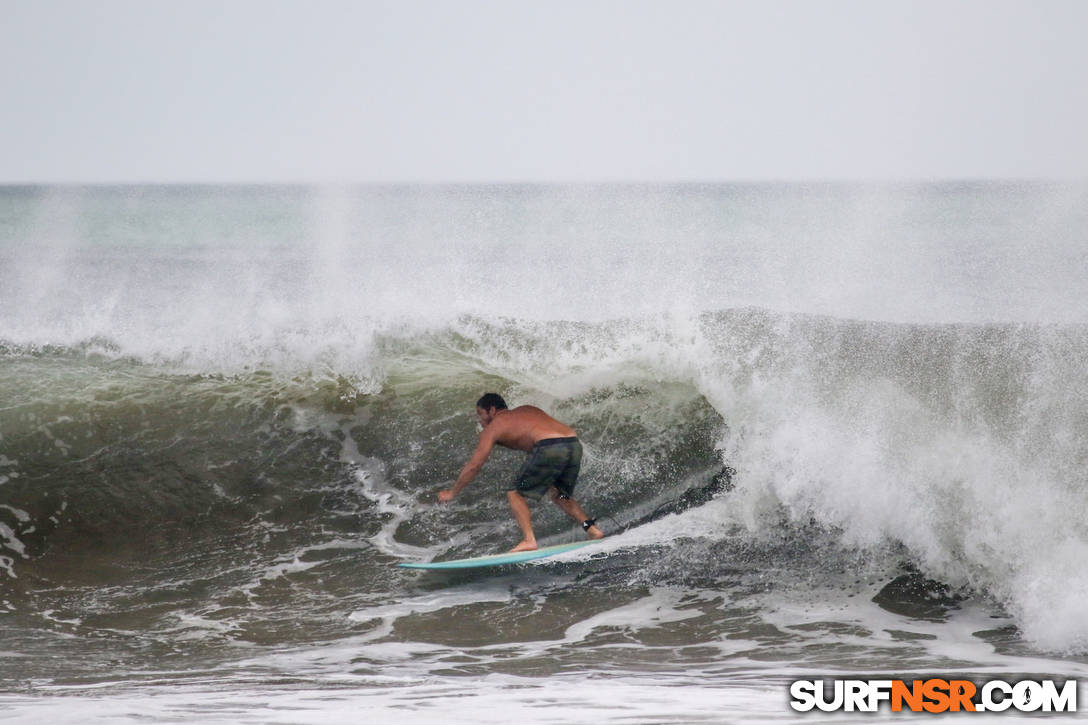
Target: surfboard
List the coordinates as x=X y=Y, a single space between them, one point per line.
x=497 y=559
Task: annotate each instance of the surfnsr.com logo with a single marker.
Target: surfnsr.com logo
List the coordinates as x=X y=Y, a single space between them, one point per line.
x=934 y=695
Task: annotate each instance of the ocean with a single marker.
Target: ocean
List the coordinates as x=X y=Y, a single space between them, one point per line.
x=832 y=430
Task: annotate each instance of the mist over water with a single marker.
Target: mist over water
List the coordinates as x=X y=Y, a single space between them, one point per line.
x=258 y=264
x=224 y=412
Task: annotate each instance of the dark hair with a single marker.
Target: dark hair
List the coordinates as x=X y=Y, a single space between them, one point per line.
x=491 y=400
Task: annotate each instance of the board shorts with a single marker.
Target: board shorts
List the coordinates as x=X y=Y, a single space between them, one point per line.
x=552 y=462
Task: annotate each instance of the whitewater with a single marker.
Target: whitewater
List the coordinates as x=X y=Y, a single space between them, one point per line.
x=831 y=429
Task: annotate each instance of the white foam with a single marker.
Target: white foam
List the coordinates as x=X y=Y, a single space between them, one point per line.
x=967 y=506
x=9 y=540
x=491 y=699
x=369 y=474
x=387 y=614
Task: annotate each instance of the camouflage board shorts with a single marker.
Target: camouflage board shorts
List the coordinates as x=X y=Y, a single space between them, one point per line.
x=552 y=462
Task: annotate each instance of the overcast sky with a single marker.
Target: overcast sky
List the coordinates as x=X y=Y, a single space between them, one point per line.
x=465 y=90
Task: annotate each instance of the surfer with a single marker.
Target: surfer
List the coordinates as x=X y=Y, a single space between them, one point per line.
x=555 y=456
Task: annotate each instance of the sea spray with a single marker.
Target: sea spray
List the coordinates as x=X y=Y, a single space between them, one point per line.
x=225 y=413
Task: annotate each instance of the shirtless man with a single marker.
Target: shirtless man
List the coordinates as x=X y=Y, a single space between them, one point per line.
x=555 y=456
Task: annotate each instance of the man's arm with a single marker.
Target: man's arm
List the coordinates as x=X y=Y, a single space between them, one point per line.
x=472 y=468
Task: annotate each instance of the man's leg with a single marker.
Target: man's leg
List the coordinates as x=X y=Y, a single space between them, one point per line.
x=571 y=508
x=520 y=507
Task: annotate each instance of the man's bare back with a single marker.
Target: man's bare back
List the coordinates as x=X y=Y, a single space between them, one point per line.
x=524 y=426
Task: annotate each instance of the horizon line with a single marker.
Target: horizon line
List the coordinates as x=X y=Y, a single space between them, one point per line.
x=559 y=182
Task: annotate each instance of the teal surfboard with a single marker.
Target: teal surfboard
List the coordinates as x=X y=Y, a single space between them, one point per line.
x=497 y=559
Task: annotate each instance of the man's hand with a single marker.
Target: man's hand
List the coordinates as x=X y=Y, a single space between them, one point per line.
x=445 y=496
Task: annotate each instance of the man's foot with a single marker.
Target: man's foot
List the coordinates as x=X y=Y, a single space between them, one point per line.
x=527 y=545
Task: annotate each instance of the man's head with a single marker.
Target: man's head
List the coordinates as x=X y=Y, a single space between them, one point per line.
x=488 y=406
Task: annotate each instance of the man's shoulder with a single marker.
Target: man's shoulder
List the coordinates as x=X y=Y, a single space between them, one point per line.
x=517 y=417
x=526 y=409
